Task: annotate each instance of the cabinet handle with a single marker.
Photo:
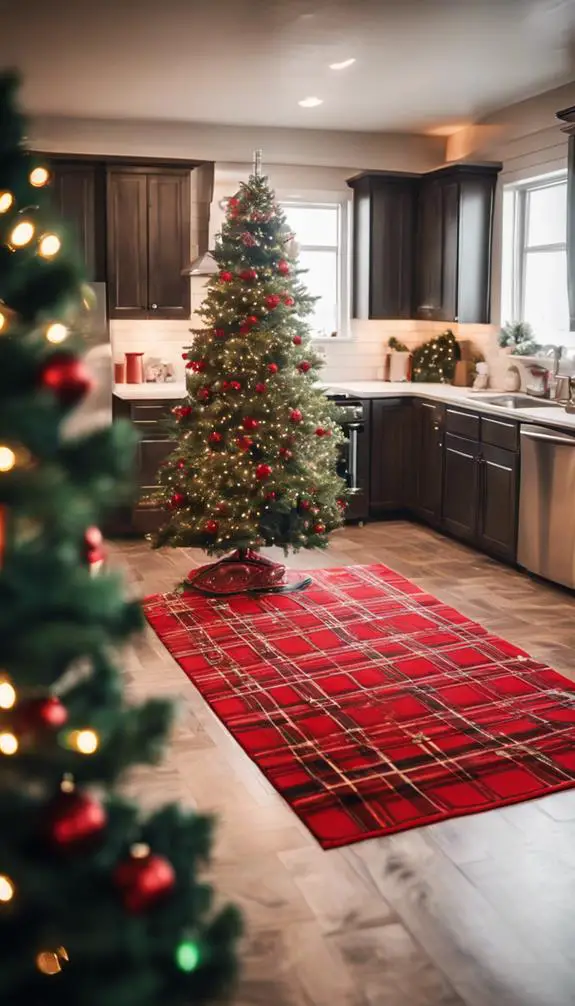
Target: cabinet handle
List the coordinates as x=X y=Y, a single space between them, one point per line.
x=154 y=307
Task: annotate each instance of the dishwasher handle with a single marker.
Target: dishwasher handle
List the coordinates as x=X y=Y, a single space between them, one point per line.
x=549 y=437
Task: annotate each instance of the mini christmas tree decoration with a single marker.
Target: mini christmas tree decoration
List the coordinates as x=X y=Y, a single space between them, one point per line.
x=435 y=360
x=259 y=389
x=84 y=918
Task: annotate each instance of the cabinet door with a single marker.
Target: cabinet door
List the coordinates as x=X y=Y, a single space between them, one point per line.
x=392 y=249
x=79 y=199
x=429 y=268
x=427 y=456
x=389 y=454
x=461 y=487
x=498 y=502
x=168 y=244
x=127 y=244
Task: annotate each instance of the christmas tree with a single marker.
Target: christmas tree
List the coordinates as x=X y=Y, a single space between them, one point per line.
x=435 y=360
x=99 y=905
x=257 y=441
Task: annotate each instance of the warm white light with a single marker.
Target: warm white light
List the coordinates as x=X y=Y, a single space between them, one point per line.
x=85 y=741
x=39 y=177
x=310 y=102
x=6 y=888
x=343 y=65
x=22 y=234
x=56 y=332
x=7 y=695
x=49 y=245
x=8 y=744
x=6 y=200
x=7 y=459
x=3 y=321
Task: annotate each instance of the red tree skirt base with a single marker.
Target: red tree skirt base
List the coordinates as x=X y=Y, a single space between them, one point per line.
x=244 y=572
x=370 y=705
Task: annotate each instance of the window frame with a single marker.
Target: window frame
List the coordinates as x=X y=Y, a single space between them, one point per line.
x=341 y=250
x=515 y=267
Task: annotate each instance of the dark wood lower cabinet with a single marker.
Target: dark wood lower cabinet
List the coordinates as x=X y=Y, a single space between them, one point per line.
x=461 y=486
x=427 y=460
x=390 y=455
x=497 y=528
x=153 y=448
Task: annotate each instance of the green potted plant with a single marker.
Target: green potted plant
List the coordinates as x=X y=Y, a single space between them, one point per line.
x=518 y=339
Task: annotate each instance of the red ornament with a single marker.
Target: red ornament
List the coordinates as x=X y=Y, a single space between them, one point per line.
x=285 y=453
x=263 y=472
x=142 y=881
x=93 y=544
x=203 y=394
x=320 y=432
x=318 y=528
x=67 y=377
x=244 y=443
x=226 y=276
x=225 y=385
x=248 y=239
x=40 y=714
x=273 y=301
x=252 y=319
x=297 y=340
x=283 y=267
x=184 y=356
x=261 y=388
x=295 y=416
x=219 y=333
x=235 y=386
x=248 y=275
x=176 y=501
x=198 y=366
x=304 y=366
x=289 y=301
x=341 y=504
x=304 y=504
x=215 y=437
x=75 y=818
x=250 y=424
x=181 y=411
x=221 y=508
x=181 y=464
x=273 y=368
x=211 y=526
x=271 y=496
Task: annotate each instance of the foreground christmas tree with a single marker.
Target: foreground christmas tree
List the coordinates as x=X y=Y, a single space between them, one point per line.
x=99 y=905
x=257 y=439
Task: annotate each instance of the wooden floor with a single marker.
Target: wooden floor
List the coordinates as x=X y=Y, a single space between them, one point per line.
x=478 y=911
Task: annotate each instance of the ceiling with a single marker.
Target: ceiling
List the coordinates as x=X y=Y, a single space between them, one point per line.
x=420 y=64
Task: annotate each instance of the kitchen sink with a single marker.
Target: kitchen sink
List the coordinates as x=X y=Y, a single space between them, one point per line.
x=515 y=401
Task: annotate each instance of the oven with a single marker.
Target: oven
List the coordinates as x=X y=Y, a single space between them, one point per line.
x=353 y=460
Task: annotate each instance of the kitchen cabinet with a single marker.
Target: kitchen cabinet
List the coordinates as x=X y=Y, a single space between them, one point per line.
x=148 y=216
x=383 y=244
x=153 y=448
x=79 y=200
x=498 y=507
x=461 y=487
x=390 y=453
x=427 y=459
x=453 y=246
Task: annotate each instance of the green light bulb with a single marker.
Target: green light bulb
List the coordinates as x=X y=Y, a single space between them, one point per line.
x=187 y=956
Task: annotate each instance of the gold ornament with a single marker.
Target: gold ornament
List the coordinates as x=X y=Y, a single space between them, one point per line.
x=50 y=962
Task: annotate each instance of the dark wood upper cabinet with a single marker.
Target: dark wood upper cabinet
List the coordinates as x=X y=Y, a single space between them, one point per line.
x=383 y=244
x=148 y=242
x=79 y=199
x=454 y=240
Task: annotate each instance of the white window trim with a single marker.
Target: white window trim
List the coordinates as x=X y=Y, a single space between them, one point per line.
x=515 y=249
x=343 y=205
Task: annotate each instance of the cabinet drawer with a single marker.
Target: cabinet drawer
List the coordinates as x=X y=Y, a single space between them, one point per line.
x=149 y=412
x=500 y=433
x=464 y=424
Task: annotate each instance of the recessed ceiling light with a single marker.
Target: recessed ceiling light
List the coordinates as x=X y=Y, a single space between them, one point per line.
x=343 y=65
x=310 y=102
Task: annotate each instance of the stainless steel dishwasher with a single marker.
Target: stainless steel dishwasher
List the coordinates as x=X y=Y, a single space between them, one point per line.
x=546 y=540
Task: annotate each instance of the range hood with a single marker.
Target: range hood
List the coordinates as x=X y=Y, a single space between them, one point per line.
x=207 y=222
x=204 y=265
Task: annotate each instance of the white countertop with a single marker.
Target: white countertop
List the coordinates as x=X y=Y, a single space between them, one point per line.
x=547 y=415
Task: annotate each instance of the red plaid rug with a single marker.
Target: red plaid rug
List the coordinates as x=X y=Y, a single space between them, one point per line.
x=371 y=706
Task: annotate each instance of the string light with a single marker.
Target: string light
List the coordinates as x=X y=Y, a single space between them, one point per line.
x=49 y=245
x=188 y=956
x=8 y=743
x=3 y=321
x=22 y=234
x=56 y=332
x=7 y=694
x=39 y=177
x=84 y=741
x=7 y=889
x=7 y=458
x=6 y=201
x=50 y=962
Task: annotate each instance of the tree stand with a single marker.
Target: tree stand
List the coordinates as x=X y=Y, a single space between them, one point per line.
x=245 y=571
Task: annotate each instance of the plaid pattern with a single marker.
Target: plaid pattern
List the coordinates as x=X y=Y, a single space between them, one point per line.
x=371 y=706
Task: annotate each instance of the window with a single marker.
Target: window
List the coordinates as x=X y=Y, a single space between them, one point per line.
x=535 y=258
x=321 y=234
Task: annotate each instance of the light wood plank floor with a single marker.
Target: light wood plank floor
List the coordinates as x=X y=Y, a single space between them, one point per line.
x=479 y=911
